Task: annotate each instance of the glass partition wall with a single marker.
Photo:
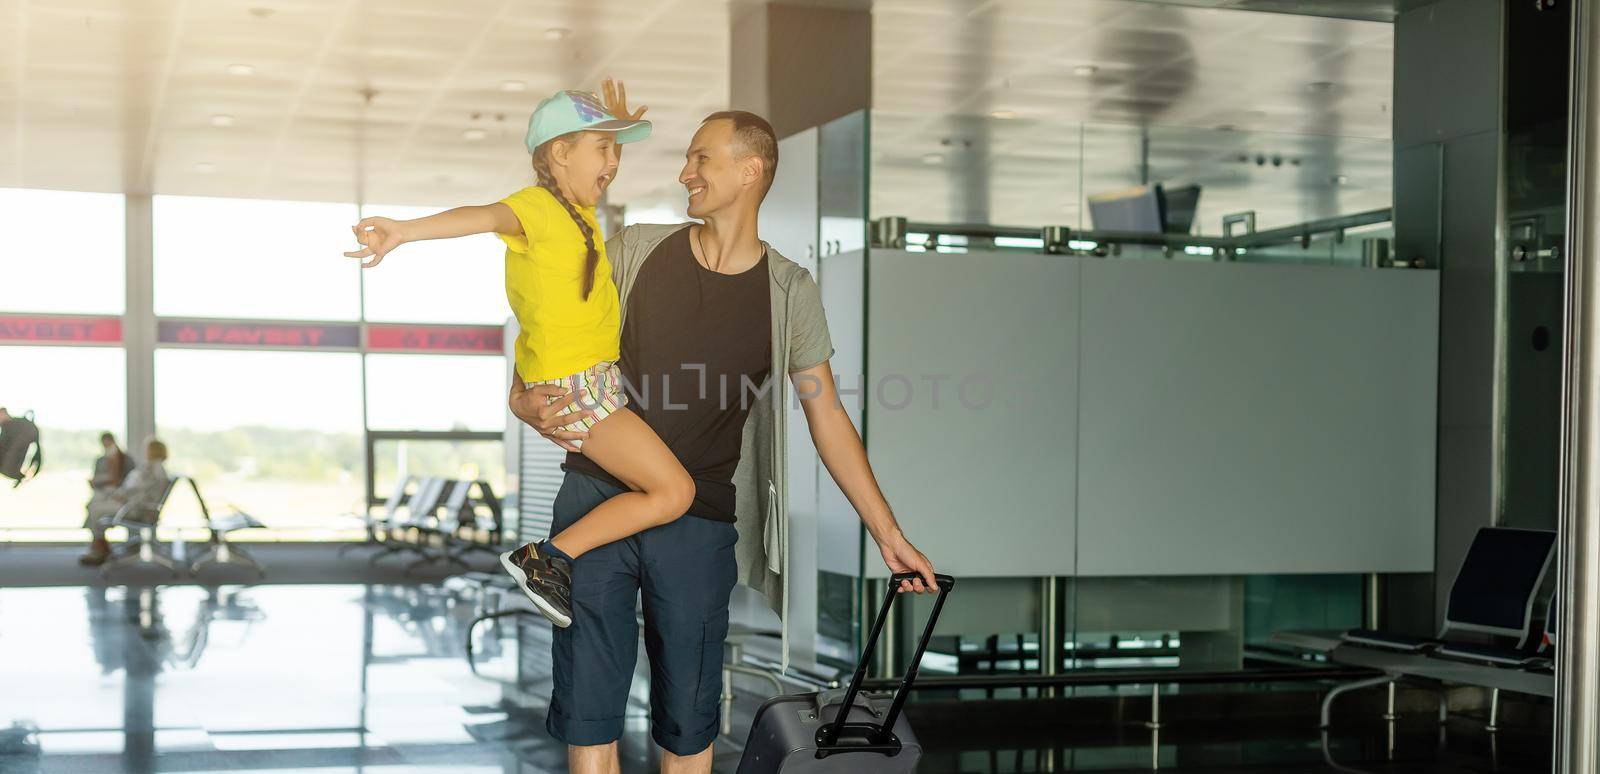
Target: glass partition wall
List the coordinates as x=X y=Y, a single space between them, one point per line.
x=986 y=188
x=274 y=357
x=1038 y=172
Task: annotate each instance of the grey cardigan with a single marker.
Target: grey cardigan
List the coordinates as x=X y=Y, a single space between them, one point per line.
x=799 y=341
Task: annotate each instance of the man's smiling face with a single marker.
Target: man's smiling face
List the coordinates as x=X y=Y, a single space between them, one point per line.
x=712 y=174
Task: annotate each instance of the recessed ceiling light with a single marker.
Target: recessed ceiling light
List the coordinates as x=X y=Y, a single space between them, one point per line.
x=222 y=119
x=474 y=135
x=1339 y=180
x=205 y=167
x=933 y=158
x=1004 y=115
x=241 y=69
x=557 y=33
x=1084 y=71
x=513 y=86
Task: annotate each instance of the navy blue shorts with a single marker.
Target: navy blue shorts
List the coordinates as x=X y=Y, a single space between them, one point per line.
x=686 y=572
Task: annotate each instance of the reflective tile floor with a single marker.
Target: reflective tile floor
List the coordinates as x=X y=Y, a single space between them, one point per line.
x=352 y=678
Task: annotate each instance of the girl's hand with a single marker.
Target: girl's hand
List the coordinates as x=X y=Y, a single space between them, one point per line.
x=377 y=237
x=615 y=97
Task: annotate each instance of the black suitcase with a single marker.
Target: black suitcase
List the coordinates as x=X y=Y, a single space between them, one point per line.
x=806 y=732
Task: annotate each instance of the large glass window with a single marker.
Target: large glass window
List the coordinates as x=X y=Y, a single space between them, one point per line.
x=436 y=392
x=75 y=393
x=276 y=434
x=439 y=281
x=457 y=459
x=421 y=410
x=249 y=258
x=61 y=251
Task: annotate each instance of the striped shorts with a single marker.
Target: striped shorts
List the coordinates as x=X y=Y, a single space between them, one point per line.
x=599 y=389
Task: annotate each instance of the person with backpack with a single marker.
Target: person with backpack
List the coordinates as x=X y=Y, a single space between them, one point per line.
x=17 y=436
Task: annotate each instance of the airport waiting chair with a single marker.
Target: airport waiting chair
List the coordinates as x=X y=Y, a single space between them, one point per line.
x=401 y=533
x=392 y=528
x=1493 y=593
x=480 y=525
x=142 y=547
x=377 y=525
x=221 y=552
x=432 y=528
x=1534 y=657
x=1531 y=655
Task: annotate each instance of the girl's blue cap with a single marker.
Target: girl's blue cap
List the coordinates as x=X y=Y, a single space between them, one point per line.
x=579 y=111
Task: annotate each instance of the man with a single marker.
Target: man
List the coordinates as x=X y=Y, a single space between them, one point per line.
x=710 y=312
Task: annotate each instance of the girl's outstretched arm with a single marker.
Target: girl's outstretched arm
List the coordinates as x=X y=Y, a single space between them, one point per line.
x=380 y=235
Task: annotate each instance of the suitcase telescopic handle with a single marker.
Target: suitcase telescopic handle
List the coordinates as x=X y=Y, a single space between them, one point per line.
x=946 y=583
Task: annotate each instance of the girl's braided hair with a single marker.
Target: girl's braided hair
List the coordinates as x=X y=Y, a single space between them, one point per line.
x=547 y=181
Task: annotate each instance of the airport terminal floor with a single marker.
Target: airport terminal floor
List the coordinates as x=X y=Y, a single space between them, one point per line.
x=349 y=677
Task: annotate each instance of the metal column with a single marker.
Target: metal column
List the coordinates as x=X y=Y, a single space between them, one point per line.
x=1578 y=648
x=1049 y=631
x=139 y=321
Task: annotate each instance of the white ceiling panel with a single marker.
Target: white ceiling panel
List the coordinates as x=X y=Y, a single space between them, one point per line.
x=114 y=95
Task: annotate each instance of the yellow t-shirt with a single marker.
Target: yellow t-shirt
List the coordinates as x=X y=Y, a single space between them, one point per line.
x=562 y=332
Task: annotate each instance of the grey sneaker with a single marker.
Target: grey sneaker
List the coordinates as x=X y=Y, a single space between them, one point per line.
x=546 y=579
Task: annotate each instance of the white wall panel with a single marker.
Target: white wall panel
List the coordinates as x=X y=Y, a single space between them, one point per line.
x=1245 y=418
x=984 y=483
x=1210 y=419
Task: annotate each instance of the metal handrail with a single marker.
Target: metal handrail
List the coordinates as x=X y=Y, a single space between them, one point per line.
x=1055 y=237
x=1126 y=677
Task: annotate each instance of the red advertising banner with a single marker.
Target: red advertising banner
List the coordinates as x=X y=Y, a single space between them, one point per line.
x=265 y=335
x=65 y=329
x=61 y=330
x=479 y=339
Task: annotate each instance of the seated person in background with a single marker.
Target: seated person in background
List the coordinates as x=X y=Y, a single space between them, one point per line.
x=112 y=467
x=143 y=487
x=110 y=470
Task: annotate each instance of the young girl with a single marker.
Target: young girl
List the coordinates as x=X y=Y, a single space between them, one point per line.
x=559 y=284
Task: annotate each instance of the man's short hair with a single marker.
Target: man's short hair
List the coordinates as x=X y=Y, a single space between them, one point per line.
x=156 y=449
x=752 y=136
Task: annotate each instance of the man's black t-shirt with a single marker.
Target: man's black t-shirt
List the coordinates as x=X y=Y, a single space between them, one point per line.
x=696 y=348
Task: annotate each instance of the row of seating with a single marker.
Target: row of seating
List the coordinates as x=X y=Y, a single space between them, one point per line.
x=143 y=548
x=1494 y=596
x=438 y=519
